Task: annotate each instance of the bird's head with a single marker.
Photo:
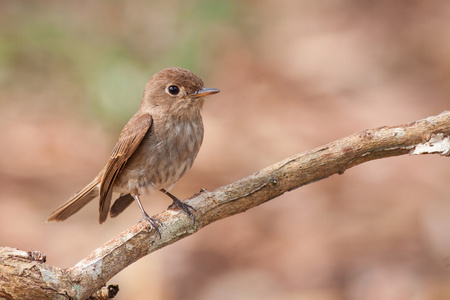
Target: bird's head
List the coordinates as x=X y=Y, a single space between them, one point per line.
x=175 y=91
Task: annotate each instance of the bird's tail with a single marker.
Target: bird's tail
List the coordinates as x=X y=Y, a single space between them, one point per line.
x=75 y=203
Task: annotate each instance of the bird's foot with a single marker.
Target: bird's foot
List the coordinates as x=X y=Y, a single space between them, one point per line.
x=177 y=203
x=153 y=222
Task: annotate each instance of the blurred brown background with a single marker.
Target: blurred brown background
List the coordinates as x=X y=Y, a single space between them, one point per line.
x=294 y=75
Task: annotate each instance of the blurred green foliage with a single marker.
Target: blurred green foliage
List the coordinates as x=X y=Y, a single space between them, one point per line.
x=104 y=50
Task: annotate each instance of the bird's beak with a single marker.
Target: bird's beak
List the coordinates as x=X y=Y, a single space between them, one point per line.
x=205 y=92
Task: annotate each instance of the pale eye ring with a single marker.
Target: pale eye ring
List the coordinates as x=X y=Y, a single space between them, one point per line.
x=173 y=90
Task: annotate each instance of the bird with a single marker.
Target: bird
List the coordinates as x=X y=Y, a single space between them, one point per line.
x=155 y=148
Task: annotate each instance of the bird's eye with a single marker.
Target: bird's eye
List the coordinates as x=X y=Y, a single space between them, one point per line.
x=173 y=90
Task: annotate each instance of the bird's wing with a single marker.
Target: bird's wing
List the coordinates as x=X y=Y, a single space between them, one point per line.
x=130 y=138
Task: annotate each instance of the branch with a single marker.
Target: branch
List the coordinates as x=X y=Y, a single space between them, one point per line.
x=22 y=278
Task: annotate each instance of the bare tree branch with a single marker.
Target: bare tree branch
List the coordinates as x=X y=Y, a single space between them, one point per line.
x=24 y=277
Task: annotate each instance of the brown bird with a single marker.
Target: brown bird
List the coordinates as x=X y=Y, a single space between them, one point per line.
x=156 y=147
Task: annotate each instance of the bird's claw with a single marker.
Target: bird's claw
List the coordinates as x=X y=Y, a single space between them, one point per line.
x=183 y=206
x=153 y=222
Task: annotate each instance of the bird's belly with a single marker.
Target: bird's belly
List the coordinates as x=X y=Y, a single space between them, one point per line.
x=160 y=162
x=148 y=178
